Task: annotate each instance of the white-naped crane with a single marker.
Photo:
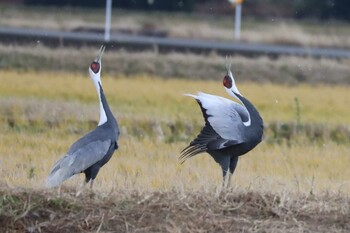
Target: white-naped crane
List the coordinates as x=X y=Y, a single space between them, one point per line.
x=95 y=149
x=231 y=129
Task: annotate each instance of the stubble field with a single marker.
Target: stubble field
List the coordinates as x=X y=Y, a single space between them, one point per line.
x=297 y=179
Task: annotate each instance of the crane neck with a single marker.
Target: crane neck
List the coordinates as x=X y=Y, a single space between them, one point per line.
x=105 y=112
x=254 y=116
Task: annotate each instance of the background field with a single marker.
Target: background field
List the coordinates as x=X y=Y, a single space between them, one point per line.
x=263 y=69
x=296 y=180
x=300 y=168
x=188 y=25
x=157 y=121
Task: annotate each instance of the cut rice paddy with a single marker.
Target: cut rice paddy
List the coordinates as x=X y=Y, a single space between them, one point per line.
x=43 y=113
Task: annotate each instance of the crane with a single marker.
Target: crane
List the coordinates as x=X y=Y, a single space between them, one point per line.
x=92 y=151
x=231 y=129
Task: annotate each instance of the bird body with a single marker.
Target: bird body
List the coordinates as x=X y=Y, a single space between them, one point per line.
x=92 y=151
x=231 y=129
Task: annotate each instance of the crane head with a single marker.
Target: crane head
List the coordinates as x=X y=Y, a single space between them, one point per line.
x=229 y=82
x=95 y=67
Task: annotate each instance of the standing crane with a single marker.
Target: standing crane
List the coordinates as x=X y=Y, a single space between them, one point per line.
x=93 y=150
x=231 y=129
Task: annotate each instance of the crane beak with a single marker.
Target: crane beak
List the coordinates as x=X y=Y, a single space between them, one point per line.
x=95 y=66
x=234 y=88
x=228 y=65
x=100 y=53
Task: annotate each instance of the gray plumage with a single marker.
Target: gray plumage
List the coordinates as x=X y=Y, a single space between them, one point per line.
x=93 y=150
x=230 y=130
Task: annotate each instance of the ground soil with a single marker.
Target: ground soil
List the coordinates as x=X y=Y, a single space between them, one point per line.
x=23 y=210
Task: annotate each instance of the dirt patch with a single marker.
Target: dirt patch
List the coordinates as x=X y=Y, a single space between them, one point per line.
x=132 y=211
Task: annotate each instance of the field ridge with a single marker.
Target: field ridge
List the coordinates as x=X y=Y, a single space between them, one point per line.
x=172 y=211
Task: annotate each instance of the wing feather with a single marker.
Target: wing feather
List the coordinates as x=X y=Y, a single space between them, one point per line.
x=225 y=116
x=77 y=161
x=223 y=119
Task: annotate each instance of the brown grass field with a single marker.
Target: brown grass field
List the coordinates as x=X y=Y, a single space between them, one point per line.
x=211 y=27
x=297 y=179
x=172 y=211
x=262 y=69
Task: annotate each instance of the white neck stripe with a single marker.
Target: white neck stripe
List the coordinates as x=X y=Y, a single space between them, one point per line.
x=231 y=93
x=103 y=116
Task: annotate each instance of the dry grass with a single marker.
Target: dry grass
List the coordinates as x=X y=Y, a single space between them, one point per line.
x=43 y=114
x=148 y=165
x=284 y=70
x=145 y=96
x=284 y=186
x=333 y=34
x=298 y=33
x=40 y=211
x=293 y=181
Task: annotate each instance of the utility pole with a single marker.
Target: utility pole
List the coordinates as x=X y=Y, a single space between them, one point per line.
x=238 y=5
x=108 y=20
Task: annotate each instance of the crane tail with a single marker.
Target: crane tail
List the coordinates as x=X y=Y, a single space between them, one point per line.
x=191 y=151
x=54 y=179
x=59 y=173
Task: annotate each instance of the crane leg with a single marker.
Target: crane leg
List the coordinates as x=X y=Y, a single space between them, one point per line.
x=224 y=178
x=80 y=189
x=229 y=180
x=233 y=165
x=224 y=162
x=91 y=184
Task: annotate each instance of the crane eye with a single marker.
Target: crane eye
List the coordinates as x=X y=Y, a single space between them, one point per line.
x=95 y=67
x=227 y=82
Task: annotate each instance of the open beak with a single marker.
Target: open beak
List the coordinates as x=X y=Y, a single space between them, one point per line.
x=100 y=53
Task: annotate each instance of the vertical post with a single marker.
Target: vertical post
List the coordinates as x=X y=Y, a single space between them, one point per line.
x=108 y=20
x=238 y=21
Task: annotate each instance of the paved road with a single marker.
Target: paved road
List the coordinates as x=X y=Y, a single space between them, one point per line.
x=137 y=42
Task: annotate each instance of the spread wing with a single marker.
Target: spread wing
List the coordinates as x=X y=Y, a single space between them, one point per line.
x=223 y=125
x=77 y=161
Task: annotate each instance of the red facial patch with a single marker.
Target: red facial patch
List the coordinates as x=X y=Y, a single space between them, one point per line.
x=227 y=82
x=95 y=67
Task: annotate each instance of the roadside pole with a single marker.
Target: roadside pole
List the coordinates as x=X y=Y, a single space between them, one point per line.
x=238 y=5
x=108 y=20
x=238 y=22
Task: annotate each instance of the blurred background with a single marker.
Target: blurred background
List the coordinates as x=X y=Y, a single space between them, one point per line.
x=290 y=58
x=267 y=29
